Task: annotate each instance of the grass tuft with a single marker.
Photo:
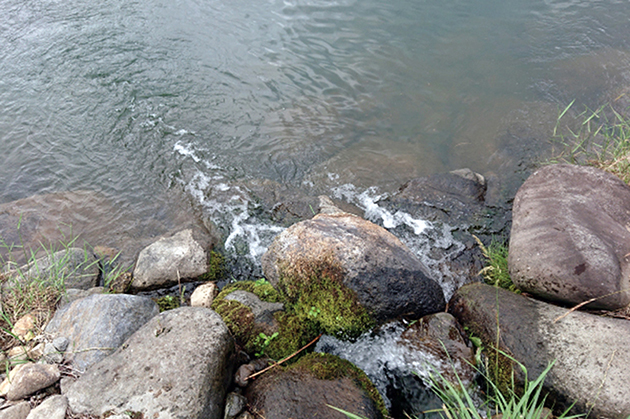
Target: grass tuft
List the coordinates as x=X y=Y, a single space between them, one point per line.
x=496 y=270
x=599 y=138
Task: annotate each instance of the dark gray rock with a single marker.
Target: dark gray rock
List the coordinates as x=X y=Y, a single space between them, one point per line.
x=570 y=240
x=387 y=277
x=170 y=259
x=176 y=366
x=301 y=392
x=441 y=336
x=590 y=352
x=234 y=405
x=98 y=324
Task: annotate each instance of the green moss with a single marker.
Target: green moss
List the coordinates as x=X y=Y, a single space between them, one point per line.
x=330 y=367
x=293 y=334
x=216 y=267
x=262 y=288
x=315 y=291
x=238 y=318
x=168 y=302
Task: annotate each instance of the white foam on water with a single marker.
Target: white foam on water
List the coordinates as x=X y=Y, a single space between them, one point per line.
x=382 y=351
x=421 y=236
x=186 y=150
x=228 y=205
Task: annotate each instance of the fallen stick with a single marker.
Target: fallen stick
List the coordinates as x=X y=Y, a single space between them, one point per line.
x=285 y=359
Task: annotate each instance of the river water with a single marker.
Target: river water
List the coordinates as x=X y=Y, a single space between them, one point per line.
x=166 y=107
x=152 y=102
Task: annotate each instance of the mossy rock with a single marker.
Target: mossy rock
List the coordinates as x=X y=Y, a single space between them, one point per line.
x=293 y=332
x=167 y=302
x=315 y=291
x=305 y=388
x=331 y=367
x=216 y=268
x=263 y=289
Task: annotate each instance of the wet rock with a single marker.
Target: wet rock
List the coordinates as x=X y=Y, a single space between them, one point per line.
x=234 y=405
x=26 y=379
x=203 y=295
x=17 y=411
x=439 y=335
x=590 y=352
x=183 y=256
x=176 y=364
x=54 y=407
x=304 y=390
x=570 y=240
x=388 y=279
x=98 y=324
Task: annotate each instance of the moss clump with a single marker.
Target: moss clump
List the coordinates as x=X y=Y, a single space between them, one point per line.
x=262 y=288
x=314 y=291
x=216 y=267
x=238 y=318
x=293 y=333
x=330 y=367
x=168 y=302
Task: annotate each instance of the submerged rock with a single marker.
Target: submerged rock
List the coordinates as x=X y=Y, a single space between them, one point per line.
x=97 y=325
x=590 y=352
x=306 y=388
x=570 y=240
x=176 y=365
x=384 y=275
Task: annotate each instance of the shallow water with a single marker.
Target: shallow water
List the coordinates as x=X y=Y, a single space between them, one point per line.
x=135 y=98
x=150 y=111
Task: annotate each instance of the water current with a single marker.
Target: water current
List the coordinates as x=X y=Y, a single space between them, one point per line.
x=161 y=107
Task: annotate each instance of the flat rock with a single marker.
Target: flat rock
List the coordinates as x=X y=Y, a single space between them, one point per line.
x=175 y=366
x=170 y=259
x=26 y=379
x=387 y=277
x=570 y=237
x=54 y=407
x=590 y=352
x=98 y=324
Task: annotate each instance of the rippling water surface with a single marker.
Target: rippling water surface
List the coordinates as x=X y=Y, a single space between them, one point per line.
x=140 y=100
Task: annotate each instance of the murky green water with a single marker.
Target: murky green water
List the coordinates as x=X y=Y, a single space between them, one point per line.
x=140 y=99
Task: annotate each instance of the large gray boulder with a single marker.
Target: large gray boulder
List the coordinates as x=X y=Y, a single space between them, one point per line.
x=175 y=366
x=386 y=276
x=570 y=237
x=590 y=352
x=97 y=325
x=171 y=259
